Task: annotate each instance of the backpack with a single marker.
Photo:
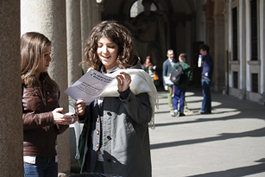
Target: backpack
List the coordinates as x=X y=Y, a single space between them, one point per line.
x=177 y=75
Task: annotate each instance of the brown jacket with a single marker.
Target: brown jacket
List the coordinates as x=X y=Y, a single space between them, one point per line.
x=40 y=132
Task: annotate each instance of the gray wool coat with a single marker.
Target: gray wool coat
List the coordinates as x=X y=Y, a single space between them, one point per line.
x=121 y=133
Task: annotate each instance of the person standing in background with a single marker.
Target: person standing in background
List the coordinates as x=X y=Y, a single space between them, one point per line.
x=149 y=67
x=180 y=89
x=168 y=86
x=207 y=70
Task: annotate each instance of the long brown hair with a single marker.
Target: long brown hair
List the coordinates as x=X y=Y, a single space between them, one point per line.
x=32 y=46
x=120 y=35
x=150 y=61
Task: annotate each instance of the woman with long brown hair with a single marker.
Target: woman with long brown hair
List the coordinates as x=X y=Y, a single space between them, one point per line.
x=42 y=117
x=149 y=67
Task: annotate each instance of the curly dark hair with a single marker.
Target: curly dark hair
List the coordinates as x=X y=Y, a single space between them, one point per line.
x=118 y=34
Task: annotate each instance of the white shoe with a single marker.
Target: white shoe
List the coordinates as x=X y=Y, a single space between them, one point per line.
x=172 y=113
x=175 y=113
x=188 y=112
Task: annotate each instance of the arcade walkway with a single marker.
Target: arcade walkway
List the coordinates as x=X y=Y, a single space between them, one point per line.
x=230 y=142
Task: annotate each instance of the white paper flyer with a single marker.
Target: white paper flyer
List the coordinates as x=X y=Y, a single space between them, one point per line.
x=89 y=86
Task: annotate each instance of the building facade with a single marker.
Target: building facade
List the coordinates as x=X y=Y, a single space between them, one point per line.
x=234 y=30
x=245 y=49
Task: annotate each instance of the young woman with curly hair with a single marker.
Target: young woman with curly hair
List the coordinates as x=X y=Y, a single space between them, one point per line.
x=115 y=134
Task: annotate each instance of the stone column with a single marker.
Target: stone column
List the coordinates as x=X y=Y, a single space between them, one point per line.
x=95 y=13
x=262 y=46
x=226 y=45
x=84 y=27
x=74 y=56
x=209 y=35
x=100 y=8
x=242 y=49
x=49 y=17
x=11 y=129
x=90 y=15
x=219 y=44
x=262 y=52
x=188 y=48
x=210 y=24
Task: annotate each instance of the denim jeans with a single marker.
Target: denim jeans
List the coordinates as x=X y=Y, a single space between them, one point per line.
x=206 y=102
x=179 y=95
x=44 y=167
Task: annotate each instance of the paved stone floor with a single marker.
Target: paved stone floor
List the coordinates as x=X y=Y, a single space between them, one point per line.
x=230 y=142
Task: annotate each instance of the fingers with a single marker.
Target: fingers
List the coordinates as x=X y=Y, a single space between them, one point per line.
x=124 y=81
x=70 y=118
x=124 y=73
x=67 y=119
x=79 y=101
x=64 y=119
x=127 y=77
x=59 y=118
x=76 y=118
x=123 y=77
x=119 y=79
x=58 y=110
x=80 y=107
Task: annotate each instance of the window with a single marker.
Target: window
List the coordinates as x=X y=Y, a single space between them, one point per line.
x=254 y=30
x=254 y=83
x=137 y=8
x=234 y=28
x=235 y=79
